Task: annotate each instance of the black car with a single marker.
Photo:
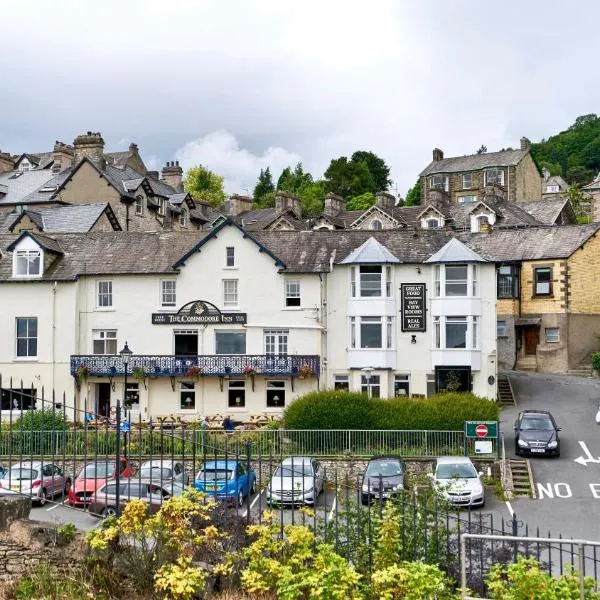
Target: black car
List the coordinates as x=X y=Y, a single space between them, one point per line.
x=383 y=479
x=536 y=433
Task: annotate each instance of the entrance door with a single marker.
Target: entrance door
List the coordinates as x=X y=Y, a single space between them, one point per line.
x=531 y=340
x=103 y=399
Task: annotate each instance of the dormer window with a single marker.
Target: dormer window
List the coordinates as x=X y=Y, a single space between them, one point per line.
x=24 y=165
x=432 y=224
x=27 y=263
x=483 y=222
x=376 y=224
x=552 y=189
x=183 y=218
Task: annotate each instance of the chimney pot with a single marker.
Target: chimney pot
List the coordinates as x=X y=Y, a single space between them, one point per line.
x=437 y=155
x=90 y=146
x=525 y=143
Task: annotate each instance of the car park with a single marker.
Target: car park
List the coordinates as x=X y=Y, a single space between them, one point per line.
x=536 y=434
x=383 y=479
x=297 y=480
x=458 y=482
x=104 y=500
x=163 y=470
x=228 y=480
x=39 y=480
x=94 y=475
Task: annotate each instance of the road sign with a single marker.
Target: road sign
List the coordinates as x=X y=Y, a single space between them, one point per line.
x=125 y=427
x=481 y=429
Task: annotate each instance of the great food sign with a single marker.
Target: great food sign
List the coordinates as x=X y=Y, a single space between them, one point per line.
x=413 y=306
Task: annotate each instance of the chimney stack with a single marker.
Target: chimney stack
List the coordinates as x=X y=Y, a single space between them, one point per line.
x=385 y=200
x=236 y=205
x=525 y=144
x=62 y=156
x=285 y=201
x=437 y=155
x=172 y=174
x=6 y=162
x=90 y=145
x=333 y=204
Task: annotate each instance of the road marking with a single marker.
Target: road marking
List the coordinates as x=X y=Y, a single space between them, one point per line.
x=595 y=489
x=582 y=460
x=332 y=508
x=510 y=509
x=55 y=506
x=560 y=490
x=252 y=504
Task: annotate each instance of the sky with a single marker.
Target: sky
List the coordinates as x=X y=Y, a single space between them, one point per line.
x=241 y=85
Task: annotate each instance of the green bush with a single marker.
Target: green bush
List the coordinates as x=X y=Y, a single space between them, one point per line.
x=40 y=420
x=331 y=409
x=596 y=361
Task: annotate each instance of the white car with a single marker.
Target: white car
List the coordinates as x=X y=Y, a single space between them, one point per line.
x=457 y=480
x=163 y=471
x=297 y=480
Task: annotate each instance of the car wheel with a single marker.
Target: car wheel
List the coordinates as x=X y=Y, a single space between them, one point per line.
x=109 y=511
x=253 y=488
x=67 y=487
x=42 y=497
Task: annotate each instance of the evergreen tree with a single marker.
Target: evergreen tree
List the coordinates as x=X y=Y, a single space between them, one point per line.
x=263 y=186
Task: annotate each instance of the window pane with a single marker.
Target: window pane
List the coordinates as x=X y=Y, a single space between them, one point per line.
x=370 y=281
x=500 y=328
x=341 y=382
x=370 y=333
x=230 y=292
x=21 y=347
x=230 y=256
x=456 y=332
x=187 y=396
x=456 y=280
x=292 y=292
x=34 y=263
x=230 y=342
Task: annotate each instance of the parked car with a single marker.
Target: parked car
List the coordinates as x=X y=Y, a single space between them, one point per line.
x=383 y=479
x=297 y=480
x=94 y=475
x=226 y=480
x=104 y=500
x=37 y=479
x=2 y=472
x=457 y=480
x=536 y=433
x=163 y=470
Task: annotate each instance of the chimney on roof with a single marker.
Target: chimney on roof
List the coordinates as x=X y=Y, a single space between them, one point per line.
x=89 y=145
x=62 y=156
x=6 y=162
x=172 y=174
x=525 y=143
x=285 y=201
x=236 y=205
x=333 y=204
x=437 y=155
x=152 y=174
x=385 y=200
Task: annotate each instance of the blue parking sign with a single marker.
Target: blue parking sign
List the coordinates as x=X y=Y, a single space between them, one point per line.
x=125 y=426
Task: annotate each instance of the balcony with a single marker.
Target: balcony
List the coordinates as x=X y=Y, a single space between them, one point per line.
x=219 y=365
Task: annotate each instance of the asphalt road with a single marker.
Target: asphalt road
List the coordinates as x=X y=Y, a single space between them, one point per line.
x=567 y=488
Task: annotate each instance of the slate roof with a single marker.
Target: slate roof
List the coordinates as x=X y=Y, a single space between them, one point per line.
x=509 y=214
x=455 y=251
x=554 y=180
x=71 y=218
x=594 y=185
x=371 y=252
x=474 y=162
x=21 y=184
x=117 y=158
x=47 y=191
x=545 y=211
x=260 y=218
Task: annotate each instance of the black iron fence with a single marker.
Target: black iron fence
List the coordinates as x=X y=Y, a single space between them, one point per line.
x=78 y=468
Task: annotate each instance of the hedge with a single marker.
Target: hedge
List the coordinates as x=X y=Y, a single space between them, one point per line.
x=332 y=409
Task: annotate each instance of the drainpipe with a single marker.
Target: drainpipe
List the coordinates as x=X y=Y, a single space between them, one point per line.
x=53 y=335
x=323 y=282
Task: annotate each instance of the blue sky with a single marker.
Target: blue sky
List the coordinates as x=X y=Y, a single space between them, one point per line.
x=240 y=85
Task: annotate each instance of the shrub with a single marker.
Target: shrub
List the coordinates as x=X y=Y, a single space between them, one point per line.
x=333 y=409
x=596 y=361
x=412 y=581
x=41 y=420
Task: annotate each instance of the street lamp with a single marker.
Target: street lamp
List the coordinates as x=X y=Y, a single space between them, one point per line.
x=368 y=376
x=126 y=354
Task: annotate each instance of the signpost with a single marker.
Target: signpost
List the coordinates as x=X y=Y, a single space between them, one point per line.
x=413 y=307
x=483 y=432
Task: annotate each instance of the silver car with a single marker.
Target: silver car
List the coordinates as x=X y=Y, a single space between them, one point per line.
x=458 y=482
x=297 y=480
x=36 y=479
x=162 y=471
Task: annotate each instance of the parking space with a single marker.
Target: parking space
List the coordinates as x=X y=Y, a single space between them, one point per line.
x=567 y=488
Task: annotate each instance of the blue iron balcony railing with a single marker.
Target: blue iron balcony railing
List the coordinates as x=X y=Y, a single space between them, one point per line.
x=293 y=365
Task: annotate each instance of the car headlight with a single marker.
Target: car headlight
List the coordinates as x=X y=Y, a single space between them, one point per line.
x=552 y=444
x=365 y=487
x=397 y=487
x=523 y=444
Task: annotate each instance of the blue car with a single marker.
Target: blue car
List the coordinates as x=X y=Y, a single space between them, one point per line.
x=226 y=480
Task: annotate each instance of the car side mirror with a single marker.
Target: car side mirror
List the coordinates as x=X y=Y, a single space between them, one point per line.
x=430 y=475
x=559 y=429
x=480 y=473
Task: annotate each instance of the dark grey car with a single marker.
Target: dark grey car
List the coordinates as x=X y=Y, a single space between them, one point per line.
x=536 y=434
x=383 y=479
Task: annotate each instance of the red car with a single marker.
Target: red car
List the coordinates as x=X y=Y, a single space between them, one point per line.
x=93 y=476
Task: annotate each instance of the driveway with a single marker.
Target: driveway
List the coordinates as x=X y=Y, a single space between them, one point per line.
x=567 y=488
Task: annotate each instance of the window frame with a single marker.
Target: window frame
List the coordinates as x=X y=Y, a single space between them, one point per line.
x=370 y=383
x=501 y=328
x=366 y=277
x=547 y=337
x=29 y=339
x=505 y=280
x=376 y=225
x=183 y=220
x=25 y=254
x=139 y=206
x=99 y=335
x=236 y=386
x=454 y=320
x=444 y=181
x=496 y=171
x=373 y=322
x=162 y=207
x=449 y=268
x=230 y=257
x=470 y=178
x=401 y=381
x=164 y=293
x=461 y=199
x=293 y=299
x=237 y=332
x=272 y=388
x=341 y=382
x=234 y=298
x=279 y=344
x=432 y=223
x=107 y=295
x=190 y=389
x=536 y=282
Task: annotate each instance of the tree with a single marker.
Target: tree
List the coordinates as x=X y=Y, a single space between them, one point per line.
x=292 y=181
x=361 y=202
x=264 y=185
x=203 y=184
x=482 y=149
x=413 y=197
x=579 y=175
x=579 y=200
x=346 y=178
x=312 y=197
x=590 y=155
x=380 y=172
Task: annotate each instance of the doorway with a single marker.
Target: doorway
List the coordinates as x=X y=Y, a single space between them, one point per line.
x=532 y=339
x=103 y=399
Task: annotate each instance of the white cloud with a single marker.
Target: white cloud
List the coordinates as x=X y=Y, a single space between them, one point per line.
x=221 y=152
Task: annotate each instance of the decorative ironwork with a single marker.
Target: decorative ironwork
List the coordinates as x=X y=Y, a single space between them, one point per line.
x=216 y=365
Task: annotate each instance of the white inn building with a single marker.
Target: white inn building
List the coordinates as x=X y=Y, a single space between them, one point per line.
x=231 y=322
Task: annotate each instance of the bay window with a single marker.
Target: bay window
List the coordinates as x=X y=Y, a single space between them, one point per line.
x=372 y=332
x=456 y=332
x=456 y=280
x=370 y=281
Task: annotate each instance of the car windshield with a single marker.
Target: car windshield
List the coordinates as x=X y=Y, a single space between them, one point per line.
x=299 y=470
x=384 y=469
x=18 y=473
x=455 y=470
x=213 y=474
x=98 y=471
x=538 y=423
x=155 y=473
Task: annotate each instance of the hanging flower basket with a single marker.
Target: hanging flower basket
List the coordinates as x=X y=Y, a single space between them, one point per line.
x=305 y=371
x=248 y=370
x=138 y=373
x=82 y=373
x=194 y=373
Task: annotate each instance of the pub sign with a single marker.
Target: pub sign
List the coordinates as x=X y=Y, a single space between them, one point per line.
x=413 y=306
x=198 y=312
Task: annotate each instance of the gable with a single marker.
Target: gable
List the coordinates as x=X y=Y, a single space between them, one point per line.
x=374 y=213
x=87 y=186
